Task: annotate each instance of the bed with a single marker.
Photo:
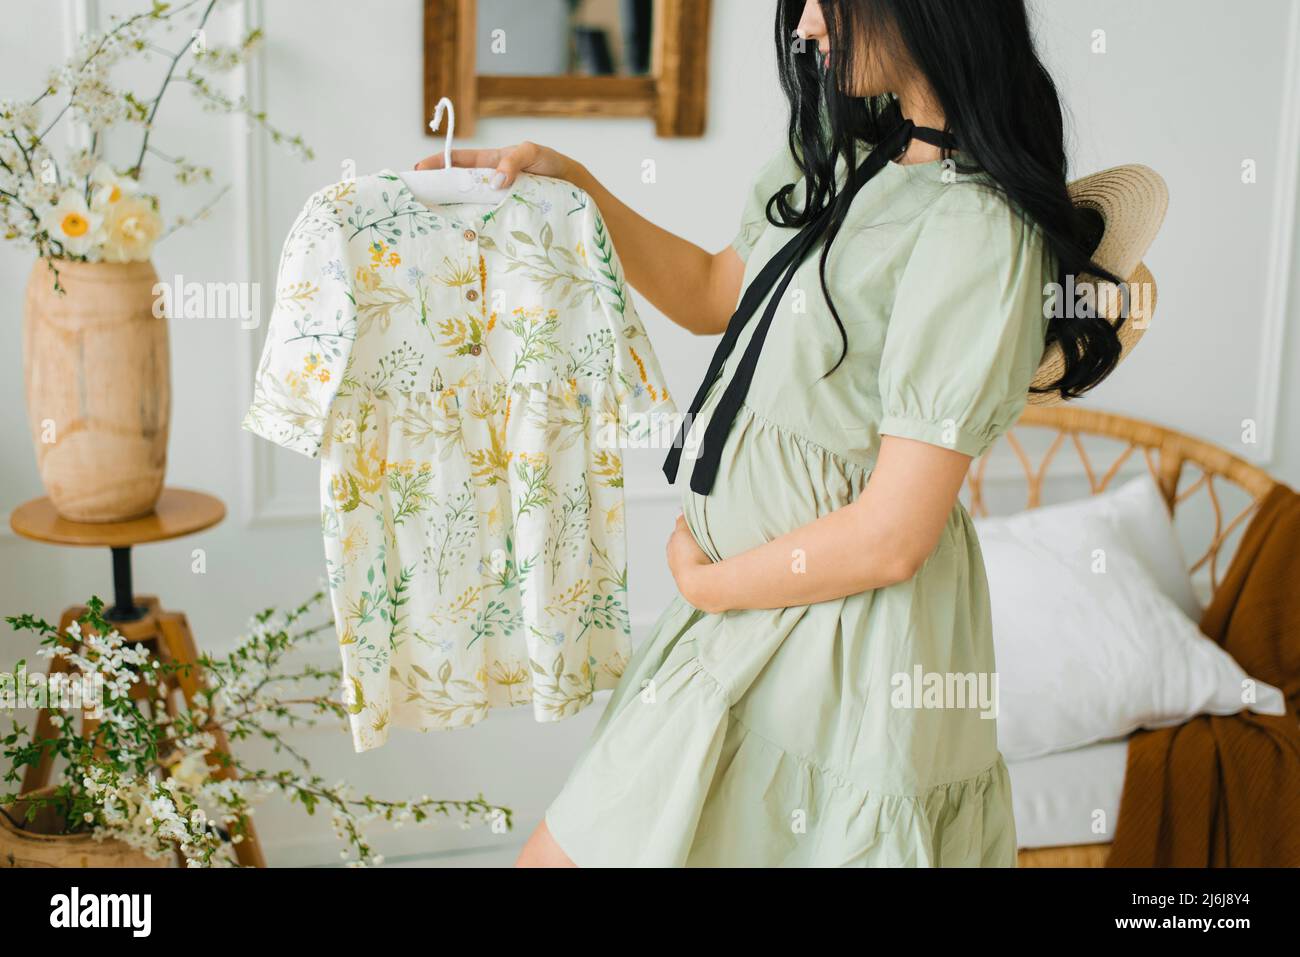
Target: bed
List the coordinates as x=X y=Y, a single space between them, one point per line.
x=1066 y=804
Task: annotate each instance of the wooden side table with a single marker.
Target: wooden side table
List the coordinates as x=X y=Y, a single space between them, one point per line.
x=167 y=633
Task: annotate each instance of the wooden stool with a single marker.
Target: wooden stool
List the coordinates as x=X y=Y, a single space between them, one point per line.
x=167 y=633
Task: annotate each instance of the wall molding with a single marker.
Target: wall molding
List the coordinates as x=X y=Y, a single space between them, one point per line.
x=1280 y=286
x=260 y=503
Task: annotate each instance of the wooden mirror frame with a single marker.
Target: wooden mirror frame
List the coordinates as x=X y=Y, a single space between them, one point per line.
x=675 y=93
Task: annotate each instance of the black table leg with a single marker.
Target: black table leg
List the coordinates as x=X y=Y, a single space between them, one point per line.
x=124 y=606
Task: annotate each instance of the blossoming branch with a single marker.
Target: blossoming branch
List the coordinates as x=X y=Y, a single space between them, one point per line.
x=83 y=208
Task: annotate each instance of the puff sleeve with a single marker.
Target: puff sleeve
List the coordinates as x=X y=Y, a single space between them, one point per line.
x=966 y=332
x=780 y=170
x=310 y=335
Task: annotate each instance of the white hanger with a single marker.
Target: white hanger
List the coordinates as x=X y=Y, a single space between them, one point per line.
x=442 y=187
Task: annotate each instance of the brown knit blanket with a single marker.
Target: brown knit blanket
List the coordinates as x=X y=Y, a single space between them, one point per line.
x=1225 y=791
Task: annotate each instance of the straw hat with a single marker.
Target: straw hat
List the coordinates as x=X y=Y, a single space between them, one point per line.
x=1131 y=201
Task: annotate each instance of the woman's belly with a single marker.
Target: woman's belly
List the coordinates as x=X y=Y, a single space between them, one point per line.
x=769 y=482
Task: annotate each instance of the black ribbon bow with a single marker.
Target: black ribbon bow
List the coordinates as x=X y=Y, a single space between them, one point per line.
x=778 y=272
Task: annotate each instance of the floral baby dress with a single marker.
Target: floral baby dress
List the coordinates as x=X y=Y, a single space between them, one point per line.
x=468 y=376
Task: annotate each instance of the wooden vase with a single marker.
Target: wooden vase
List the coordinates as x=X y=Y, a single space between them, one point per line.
x=42 y=843
x=98 y=387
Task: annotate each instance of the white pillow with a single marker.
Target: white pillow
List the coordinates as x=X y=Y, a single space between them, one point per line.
x=1091 y=630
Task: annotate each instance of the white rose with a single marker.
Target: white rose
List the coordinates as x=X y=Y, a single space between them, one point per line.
x=131 y=227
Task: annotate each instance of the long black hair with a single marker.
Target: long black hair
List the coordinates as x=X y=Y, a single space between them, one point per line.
x=998 y=101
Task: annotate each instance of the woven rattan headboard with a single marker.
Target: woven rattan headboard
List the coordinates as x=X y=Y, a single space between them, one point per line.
x=1169 y=456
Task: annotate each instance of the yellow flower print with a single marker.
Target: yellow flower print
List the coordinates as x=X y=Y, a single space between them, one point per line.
x=486 y=403
x=299 y=382
x=569 y=397
x=535 y=314
x=640 y=365
x=368 y=467
x=353 y=542
x=570 y=600
x=368 y=280
x=405 y=467
x=608 y=468
x=489 y=465
x=462 y=337
x=299 y=295
x=357 y=704
x=462 y=273
x=459 y=609
x=511 y=676
x=345 y=493
x=340 y=195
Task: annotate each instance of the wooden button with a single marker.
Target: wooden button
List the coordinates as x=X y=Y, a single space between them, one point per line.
x=472 y=295
x=470 y=235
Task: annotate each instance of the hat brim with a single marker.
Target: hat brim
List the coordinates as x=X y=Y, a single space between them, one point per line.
x=1132 y=202
x=1141 y=295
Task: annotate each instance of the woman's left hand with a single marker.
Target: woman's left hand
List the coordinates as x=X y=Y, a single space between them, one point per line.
x=688 y=563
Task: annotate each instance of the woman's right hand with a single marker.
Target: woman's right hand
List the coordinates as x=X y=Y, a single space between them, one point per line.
x=510 y=161
x=694 y=288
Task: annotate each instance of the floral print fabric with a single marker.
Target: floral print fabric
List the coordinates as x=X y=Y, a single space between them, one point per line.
x=468 y=377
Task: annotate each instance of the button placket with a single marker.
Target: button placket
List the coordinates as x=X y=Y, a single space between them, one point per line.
x=471 y=294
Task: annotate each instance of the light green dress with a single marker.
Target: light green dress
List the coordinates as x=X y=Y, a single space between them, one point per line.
x=802 y=736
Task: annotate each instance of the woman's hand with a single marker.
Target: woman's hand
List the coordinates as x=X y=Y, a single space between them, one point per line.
x=690 y=564
x=510 y=161
x=695 y=289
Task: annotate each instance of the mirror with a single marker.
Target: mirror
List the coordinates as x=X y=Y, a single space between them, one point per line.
x=565 y=37
x=593 y=58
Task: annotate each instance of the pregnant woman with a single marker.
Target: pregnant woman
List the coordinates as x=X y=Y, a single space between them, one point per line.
x=894 y=260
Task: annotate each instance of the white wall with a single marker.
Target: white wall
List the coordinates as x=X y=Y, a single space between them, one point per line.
x=1190 y=88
